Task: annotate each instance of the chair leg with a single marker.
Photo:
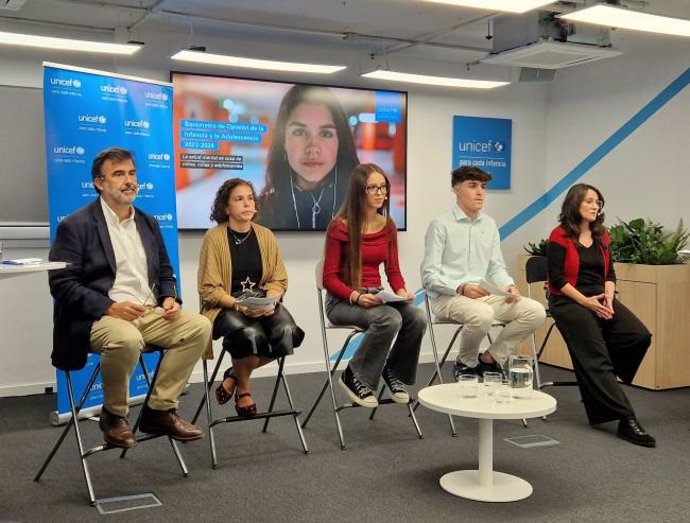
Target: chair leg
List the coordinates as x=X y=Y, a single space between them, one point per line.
x=416 y=424
x=437 y=370
x=296 y=414
x=329 y=384
x=208 y=383
x=373 y=411
x=281 y=363
x=74 y=420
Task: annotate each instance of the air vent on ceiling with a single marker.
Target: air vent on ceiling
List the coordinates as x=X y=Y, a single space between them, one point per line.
x=11 y=5
x=551 y=55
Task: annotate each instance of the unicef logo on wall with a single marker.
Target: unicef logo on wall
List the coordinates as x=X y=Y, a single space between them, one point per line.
x=158 y=97
x=142 y=124
x=159 y=157
x=69 y=154
x=165 y=217
x=120 y=90
x=69 y=150
x=66 y=82
x=499 y=146
x=92 y=119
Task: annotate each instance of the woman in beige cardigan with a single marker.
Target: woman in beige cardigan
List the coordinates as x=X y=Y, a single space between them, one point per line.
x=239 y=260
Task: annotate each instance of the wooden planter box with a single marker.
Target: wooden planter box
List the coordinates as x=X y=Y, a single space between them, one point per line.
x=660 y=296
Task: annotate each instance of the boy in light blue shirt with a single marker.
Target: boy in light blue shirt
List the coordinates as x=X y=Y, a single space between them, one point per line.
x=462 y=247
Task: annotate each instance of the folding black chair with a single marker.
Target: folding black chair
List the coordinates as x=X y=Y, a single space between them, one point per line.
x=266 y=416
x=535 y=272
x=331 y=369
x=75 y=421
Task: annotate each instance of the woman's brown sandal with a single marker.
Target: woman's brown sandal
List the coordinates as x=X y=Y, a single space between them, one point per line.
x=222 y=395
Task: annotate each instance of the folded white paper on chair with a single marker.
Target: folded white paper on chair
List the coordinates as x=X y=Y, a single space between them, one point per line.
x=389 y=297
x=493 y=289
x=259 y=303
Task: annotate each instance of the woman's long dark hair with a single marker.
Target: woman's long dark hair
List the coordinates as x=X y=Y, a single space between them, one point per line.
x=219 y=213
x=570 y=217
x=277 y=169
x=354 y=213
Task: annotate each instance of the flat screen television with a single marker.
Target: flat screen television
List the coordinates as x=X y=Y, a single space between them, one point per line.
x=296 y=143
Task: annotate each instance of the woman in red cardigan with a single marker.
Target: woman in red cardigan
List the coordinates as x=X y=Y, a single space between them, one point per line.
x=605 y=340
x=360 y=238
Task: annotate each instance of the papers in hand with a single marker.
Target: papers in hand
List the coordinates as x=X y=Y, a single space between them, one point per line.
x=389 y=297
x=493 y=289
x=23 y=261
x=259 y=303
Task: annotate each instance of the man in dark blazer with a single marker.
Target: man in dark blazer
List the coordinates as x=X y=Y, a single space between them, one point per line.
x=117 y=294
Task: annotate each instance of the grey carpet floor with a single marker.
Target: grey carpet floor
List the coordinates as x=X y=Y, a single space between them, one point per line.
x=386 y=473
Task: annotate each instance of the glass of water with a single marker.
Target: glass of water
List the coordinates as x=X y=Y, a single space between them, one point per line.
x=492 y=381
x=469 y=385
x=504 y=392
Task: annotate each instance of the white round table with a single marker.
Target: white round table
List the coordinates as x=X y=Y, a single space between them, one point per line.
x=485 y=484
x=14 y=270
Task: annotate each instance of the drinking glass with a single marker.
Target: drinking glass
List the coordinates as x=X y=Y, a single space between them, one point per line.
x=504 y=392
x=469 y=386
x=492 y=381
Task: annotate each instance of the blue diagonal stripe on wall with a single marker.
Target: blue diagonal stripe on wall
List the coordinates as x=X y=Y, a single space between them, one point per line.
x=595 y=156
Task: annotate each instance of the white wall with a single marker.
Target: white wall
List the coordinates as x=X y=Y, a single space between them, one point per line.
x=647 y=174
x=554 y=127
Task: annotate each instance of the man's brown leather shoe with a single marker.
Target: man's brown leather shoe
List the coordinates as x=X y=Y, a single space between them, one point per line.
x=168 y=423
x=116 y=430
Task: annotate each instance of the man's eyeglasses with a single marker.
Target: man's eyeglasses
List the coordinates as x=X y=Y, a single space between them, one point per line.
x=375 y=189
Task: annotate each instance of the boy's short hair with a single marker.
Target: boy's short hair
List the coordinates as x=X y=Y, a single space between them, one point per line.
x=469 y=172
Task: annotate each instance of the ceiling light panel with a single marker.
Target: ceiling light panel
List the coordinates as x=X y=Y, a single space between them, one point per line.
x=67 y=44
x=252 y=63
x=625 y=19
x=509 y=6
x=443 y=81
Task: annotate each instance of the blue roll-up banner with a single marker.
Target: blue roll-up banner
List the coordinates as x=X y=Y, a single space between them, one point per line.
x=87 y=111
x=485 y=143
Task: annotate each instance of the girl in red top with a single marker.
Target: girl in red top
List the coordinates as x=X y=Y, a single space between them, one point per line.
x=360 y=238
x=605 y=340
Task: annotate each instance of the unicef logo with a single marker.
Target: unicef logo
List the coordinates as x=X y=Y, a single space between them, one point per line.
x=114 y=89
x=157 y=157
x=76 y=83
x=149 y=186
x=167 y=217
x=499 y=146
x=102 y=120
x=137 y=123
x=69 y=150
x=162 y=97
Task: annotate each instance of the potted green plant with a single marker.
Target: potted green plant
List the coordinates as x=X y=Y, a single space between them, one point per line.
x=645 y=242
x=654 y=282
x=536 y=249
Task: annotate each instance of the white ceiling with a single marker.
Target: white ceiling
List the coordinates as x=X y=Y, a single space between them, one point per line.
x=410 y=29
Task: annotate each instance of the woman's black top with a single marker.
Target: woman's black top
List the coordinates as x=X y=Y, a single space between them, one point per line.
x=246 y=262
